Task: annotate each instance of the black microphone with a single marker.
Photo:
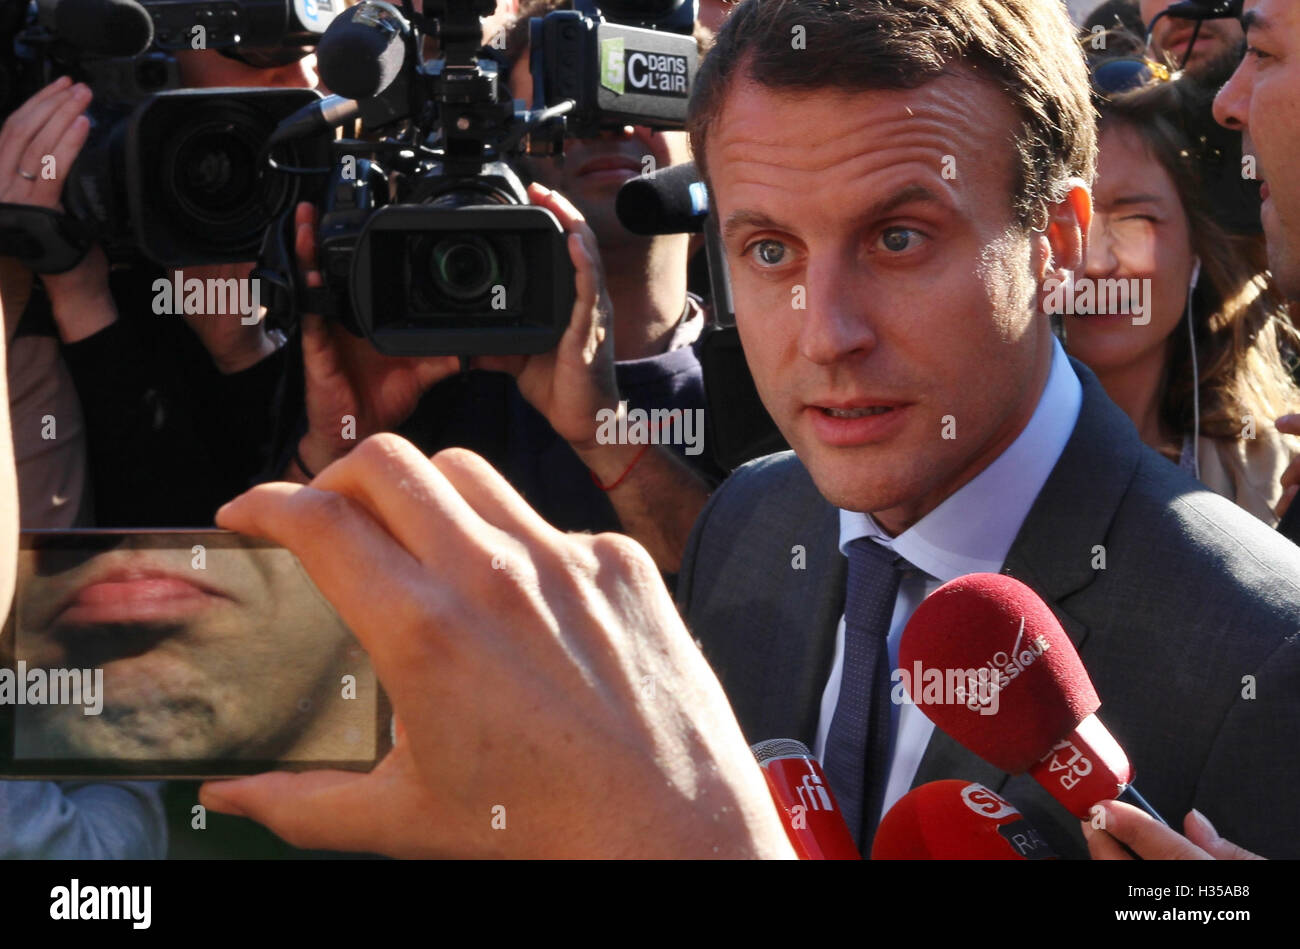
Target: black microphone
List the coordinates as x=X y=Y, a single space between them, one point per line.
x=670 y=201
x=363 y=50
x=329 y=112
x=102 y=27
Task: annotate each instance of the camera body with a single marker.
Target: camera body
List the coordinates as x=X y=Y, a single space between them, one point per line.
x=228 y=24
x=427 y=242
x=176 y=176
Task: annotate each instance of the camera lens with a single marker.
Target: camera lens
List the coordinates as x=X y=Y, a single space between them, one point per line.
x=464 y=268
x=210 y=175
x=213 y=172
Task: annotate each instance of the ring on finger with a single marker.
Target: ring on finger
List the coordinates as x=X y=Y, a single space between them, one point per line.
x=27 y=174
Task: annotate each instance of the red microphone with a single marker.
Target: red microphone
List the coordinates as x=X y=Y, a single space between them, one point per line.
x=956 y=820
x=991 y=666
x=813 y=821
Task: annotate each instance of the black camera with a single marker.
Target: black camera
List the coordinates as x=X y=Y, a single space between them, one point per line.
x=176 y=176
x=247 y=24
x=427 y=242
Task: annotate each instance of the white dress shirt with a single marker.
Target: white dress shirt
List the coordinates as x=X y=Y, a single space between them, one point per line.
x=970 y=532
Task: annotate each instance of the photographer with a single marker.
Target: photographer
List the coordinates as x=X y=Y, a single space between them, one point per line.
x=540 y=428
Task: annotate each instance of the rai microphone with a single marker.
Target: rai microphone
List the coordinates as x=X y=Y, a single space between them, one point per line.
x=1022 y=699
x=812 y=820
x=956 y=820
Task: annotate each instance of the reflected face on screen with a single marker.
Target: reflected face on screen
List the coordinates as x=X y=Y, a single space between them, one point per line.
x=227 y=652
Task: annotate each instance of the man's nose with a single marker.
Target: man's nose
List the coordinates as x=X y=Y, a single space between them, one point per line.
x=1232 y=104
x=835 y=317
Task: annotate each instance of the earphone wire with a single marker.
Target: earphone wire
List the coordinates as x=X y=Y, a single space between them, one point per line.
x=1196 y=376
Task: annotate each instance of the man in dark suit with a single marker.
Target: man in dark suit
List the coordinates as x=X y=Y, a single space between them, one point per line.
x=911 y=175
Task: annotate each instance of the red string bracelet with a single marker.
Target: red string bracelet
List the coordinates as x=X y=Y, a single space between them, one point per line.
x=623 y=477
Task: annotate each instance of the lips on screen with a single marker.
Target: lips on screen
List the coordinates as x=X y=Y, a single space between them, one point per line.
x=175 y=653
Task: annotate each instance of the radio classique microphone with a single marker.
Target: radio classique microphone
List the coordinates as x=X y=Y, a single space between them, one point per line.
x=994 y=635
x=812 y=820
x=956 y=820
x=102 y=27
x=670 y=201
x=363 y=50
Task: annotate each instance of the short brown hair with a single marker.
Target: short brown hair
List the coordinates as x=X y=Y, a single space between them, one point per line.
x=1027 y=47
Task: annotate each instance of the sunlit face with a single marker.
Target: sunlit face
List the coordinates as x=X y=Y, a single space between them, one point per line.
x=208 y=69
x=883 y=291
x=593 y=169
x=227 y=652
x=1263 y=100
x=1217 y=39
x=1139 y=231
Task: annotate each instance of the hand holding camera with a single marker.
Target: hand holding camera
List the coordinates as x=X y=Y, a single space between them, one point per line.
x=38 y=143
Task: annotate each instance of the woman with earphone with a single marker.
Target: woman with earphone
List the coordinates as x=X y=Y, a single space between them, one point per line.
x=1198 y=360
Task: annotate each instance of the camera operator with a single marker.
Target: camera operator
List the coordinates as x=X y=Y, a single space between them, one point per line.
x=540 y=427
x=177 y=418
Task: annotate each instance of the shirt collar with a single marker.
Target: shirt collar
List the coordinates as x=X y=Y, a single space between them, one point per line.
x=972 y=530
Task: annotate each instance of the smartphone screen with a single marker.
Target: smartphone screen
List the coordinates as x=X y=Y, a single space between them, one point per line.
x=136 y=654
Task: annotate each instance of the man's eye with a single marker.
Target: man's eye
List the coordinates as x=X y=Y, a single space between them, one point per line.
x=1256 y=52
x=898 y=239
x=769 y=253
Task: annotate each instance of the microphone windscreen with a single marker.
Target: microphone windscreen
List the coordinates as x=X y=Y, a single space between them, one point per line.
x=361 y=53
x=102 y=27
x=1026 y=686
x=670 y=201
x=956 y=820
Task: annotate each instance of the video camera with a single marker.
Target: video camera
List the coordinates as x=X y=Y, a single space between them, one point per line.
x=427 y=242
x=177 y=176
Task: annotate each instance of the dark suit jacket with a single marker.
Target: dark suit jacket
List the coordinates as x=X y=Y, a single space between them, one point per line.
x=1190 y=632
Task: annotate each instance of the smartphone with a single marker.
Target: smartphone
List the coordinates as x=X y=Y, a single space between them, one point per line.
x=178 y=654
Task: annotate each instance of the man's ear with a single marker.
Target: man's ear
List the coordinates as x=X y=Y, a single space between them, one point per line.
x=1066 y=235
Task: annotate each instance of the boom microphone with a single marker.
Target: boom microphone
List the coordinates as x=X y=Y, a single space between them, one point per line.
x=813 y=822
x=670 y=201
x=101 y=27
x=993 y=638
x=363 y=50
x=956 y=820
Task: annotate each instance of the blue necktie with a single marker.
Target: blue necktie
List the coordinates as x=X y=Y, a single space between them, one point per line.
x=857 y=745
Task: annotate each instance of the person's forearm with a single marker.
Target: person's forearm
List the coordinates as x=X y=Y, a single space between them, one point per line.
x=658 y=500
x=81 y=315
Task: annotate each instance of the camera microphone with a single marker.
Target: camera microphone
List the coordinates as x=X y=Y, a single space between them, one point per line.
x=670 y=201
x=363 y=50
x=101 y=27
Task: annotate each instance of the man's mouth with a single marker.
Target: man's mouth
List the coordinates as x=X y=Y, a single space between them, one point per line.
x=135 y=595
x=609 y=166
x=858 y=412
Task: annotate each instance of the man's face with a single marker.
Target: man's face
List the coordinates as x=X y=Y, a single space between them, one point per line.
x=594 y=169
x=208 y=69
x=231 y=653
x=1218 y=38
x=887 y=216
x=1263 y=100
